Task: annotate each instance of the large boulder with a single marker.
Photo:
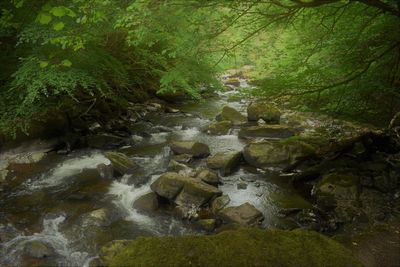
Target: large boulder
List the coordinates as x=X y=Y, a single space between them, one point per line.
x=219 y=128
x=193 y=148
x=121 y=163
x=241 y=247
x=147 y=203
x=263 y=110
x=267 y=154
x=266 y=131
x=245 y=215
x=225 y=162
x=232 y=115
x=184 y=191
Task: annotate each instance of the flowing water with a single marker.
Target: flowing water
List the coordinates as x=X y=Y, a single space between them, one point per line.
x=57 y=200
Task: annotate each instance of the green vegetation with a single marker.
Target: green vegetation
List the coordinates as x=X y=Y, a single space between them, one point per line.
x=74 y=57
x=243 y=247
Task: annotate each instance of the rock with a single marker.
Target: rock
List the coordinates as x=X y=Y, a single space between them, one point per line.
x=106 y=171
x=121 y=163
x=196 y=149
x=262 y=110
x=338 y=192
x=147 y=203
x=241 y=247
x=266 y=131
x=171 y=110
x=169 y=185
x=38 y=249
x=105 y=141
x=182 y=158
x=219 y=203
x=266 y=154
x=219 y=128
x=245 y=215
x=232 y=81
x=225 y=162
x=232 y=115
x=196 y=193
x=208 y=177
x=99 y=217
x=207 y=224
x=241 y=186
x=3 y=175
x=184 y=191
x=175 y=166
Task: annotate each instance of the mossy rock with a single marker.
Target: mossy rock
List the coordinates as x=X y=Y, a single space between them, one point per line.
x=230 y=114
x=242 y=247
x=121 y=162
x=225 y=162
x=266 y=154
x=196 y=149
x=219 y=128
x=266 y=131
x=263 y=110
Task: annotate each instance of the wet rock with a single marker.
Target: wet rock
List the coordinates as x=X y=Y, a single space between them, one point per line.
x=241 y=186
x=99 y=217
x=232 y=115
x=169 y=185
x=38 y=249
x=207 y=224
x=266 y=154
x=104 y=141
x=265 y=111
x=182 y=158
x=121 y=163
x=184 y=191
x=338 y=192
x=162 y=129
x=208 y=177
x=225 y=162
x=171 y=110
x=196 y=193
x=187 y=211
x=245 y=215
x=175 y=166
x=266 y=131
x=219 y=128
x=232 y=81
x=106 y=171
x=147 y=203
x=3 y=175
x=219 y=203
x=196 y=149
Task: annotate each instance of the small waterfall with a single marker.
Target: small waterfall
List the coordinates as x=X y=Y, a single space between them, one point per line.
x=51 y=236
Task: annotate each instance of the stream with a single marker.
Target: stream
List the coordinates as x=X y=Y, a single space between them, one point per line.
x=61 y=198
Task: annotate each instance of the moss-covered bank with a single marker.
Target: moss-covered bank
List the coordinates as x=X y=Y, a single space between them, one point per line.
x=243 y=247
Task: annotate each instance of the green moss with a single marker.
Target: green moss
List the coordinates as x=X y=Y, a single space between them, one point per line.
x=243 y=247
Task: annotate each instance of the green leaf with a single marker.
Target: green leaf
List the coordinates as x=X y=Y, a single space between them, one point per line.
x=43 y=64
x=66 y=63
x=59 y=26
x=44 y=18
x=58 y=11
